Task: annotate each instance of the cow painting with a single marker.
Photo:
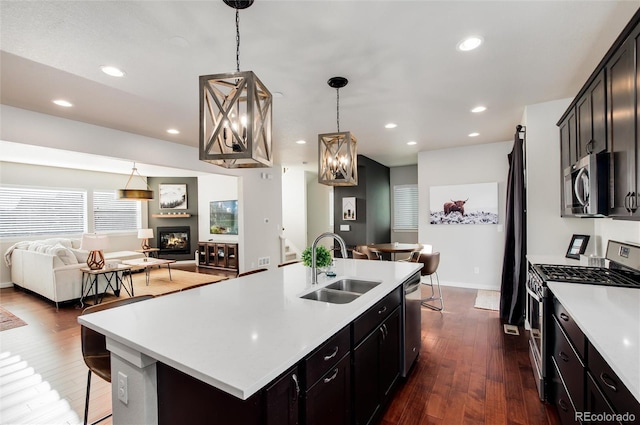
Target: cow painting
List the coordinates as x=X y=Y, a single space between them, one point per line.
x=454 y=206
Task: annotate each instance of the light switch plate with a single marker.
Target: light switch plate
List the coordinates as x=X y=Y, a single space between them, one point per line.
x=345 y=228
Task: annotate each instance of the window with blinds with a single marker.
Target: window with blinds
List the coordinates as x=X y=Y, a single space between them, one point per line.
x=31 y=212
x=111 y=214
x=405 y=207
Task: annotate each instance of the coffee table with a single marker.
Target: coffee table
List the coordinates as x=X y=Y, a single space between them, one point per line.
x=147 y=264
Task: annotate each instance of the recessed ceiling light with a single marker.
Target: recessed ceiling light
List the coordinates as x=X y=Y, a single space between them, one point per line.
x=470 y=43
x=479 y=109
x=474 y=134
x=411 y=143
x=277 y=94
x=390 y=125
x=173 y=131
x=112 y=71
x=64 y=103
x=301 y=142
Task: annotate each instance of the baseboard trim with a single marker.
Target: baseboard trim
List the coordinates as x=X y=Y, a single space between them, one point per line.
x=6 y=285
x=468 y=285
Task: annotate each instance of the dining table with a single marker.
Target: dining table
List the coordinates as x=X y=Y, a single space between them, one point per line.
x=394 y=248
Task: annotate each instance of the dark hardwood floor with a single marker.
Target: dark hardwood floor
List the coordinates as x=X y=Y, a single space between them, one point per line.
x=468 y=372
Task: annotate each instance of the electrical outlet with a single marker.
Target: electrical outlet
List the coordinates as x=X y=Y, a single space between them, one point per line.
x=264 y=261
x=123 y=389
x=476 y=270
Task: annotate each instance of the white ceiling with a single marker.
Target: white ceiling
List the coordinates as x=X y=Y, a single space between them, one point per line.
x=400 y=58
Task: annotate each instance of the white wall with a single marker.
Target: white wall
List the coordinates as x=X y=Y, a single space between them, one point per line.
x=294 y=208
x=618 y=230
x=319 y=216
x=548 y=233
x=215 y=187
x=260 y=198
x=465 y=247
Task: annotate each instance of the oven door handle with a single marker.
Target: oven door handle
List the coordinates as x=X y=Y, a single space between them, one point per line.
x=533 y=294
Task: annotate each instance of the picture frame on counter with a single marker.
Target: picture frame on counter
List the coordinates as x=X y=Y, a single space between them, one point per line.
x=577 y=246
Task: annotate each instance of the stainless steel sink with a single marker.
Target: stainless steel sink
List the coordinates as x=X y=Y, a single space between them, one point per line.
x=331 y=296
x=353 y=285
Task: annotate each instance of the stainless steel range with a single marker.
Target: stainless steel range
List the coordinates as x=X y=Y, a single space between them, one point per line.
x=623 y=271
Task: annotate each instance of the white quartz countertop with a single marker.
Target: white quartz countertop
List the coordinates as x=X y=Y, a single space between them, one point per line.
x=240 y=334
x=610 y=318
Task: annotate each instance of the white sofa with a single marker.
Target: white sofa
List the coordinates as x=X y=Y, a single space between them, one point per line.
x=51 y=267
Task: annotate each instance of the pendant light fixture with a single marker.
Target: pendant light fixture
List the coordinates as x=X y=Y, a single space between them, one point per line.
x=337 y=157
x=135 y=194
x=235 y=114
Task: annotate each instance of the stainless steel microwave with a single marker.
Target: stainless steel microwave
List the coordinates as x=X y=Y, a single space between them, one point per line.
x=586 y=187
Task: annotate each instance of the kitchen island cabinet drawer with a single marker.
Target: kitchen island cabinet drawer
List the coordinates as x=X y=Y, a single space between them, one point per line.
x=618 y=395
x=560 y=398
x=328 y=401
x=575 y=334
x=569 y=366
x=372 y=318
x=327 y=355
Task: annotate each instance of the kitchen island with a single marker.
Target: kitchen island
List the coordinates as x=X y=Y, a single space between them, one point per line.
x=236 y=336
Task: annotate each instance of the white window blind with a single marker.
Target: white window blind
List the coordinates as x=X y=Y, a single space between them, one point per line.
x=111 y=214
x=25 y=212
x=405 y=207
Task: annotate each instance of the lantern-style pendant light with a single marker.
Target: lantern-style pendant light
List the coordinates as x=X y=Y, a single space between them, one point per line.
x=337 y=157
x=235 y=114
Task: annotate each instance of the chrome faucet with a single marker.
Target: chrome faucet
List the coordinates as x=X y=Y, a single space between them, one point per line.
x=314 y=268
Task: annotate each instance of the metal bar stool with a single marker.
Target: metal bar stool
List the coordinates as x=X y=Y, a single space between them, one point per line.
x=430 y=262
x=94 y=349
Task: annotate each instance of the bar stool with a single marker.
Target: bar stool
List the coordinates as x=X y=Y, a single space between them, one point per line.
x=94 y=348
x=430 y=262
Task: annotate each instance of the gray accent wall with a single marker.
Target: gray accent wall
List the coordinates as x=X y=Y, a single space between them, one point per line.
x=192 y=208
x=373 y=205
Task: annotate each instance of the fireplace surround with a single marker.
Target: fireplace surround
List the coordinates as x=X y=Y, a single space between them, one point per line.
x=174 y=240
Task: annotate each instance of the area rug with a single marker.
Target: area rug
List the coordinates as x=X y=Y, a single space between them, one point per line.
x=160 y=284
x=9 y=320
x=488 y=300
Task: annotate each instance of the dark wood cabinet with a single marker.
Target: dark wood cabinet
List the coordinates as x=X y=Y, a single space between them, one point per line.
x=622 y=119
x=282 y=400
x=582 y=382
x=605 y=117
x=218 y=255
x=328 y=401
x=568 y=140
x=591 y=111
x=376 y=364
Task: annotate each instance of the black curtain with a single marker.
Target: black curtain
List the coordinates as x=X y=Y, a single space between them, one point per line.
x=514 y=267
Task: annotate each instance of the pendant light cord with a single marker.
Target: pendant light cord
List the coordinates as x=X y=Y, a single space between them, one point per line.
x=338 y=109
x=237 y=40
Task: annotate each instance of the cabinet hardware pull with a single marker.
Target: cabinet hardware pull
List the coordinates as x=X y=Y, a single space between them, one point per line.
x=633 y=203
x=563 y=356
x=381 y=331
x=332 y=377
x=627 y=202
x=386 y=331
x=590 y=146
x=564 y=317
x=294 y=378
x=382 y=310
x=611 y=384
x=563 y=405
x=332 y=355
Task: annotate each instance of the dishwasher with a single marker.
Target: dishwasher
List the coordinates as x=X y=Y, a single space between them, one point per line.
x=412 y=322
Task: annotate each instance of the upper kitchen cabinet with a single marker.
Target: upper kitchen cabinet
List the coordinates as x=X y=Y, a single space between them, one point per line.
x=604 y=117
x=591 y=111
x=623 y=75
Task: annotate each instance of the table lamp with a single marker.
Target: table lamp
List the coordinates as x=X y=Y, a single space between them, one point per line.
x=94 y=243
x=145 y=235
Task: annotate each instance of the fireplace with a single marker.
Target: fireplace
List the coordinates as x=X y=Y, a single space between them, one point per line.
x=174 y=240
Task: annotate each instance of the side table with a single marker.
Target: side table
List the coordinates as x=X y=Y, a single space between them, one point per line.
x=112 y=276
x=149 y=252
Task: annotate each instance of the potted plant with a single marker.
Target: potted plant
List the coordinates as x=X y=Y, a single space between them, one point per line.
x=323 y=257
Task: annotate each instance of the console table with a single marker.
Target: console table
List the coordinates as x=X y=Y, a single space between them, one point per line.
x=218 y=255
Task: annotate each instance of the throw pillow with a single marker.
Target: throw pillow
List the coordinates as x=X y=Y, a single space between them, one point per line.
x=54 y=241
x=80 y=254
x=63 y=253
